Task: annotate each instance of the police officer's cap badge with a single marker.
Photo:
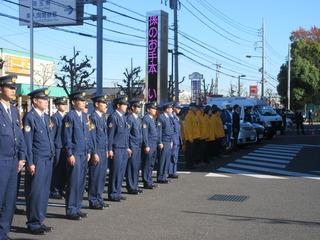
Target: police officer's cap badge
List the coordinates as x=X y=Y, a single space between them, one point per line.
x=27 y=128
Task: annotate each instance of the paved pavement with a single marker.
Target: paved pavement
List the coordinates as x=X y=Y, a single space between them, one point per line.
x=274 y=187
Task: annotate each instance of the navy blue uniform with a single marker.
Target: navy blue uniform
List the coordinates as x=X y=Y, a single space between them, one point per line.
x=150 y=139
x=12 y=149
x=177 y=142
x=166 y=132
x=118 y=136
x=40 y=152
x=59 y=163
x=77 y=143
x=135 y=144
x=97 y=173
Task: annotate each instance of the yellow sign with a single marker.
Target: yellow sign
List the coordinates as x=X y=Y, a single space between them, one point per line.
x=17 y=65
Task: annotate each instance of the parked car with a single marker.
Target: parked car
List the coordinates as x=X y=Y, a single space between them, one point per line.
x=247 y=133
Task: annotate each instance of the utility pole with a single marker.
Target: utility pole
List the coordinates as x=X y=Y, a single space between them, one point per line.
x=289 y=76
x=31 y=46
x=176 y=55
x=99 y=45
x=216 y=83
x=263 y=56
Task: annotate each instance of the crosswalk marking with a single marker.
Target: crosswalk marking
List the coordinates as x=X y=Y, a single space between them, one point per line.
x=282 y=172
x=278 y=150
x=260 y=163
x=268 y=155
x=249 y=174
x=266 y=159
x=216 y=175
x=275 y=152
x=298 y=147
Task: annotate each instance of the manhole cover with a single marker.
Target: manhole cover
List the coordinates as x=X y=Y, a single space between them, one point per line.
x=228 y=198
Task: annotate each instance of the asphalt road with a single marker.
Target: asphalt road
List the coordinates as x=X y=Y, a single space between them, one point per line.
x=275 y=205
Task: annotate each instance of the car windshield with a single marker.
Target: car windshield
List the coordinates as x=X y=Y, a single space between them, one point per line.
x=266 y=110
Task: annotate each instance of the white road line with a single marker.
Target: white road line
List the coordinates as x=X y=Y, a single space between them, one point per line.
x=316 y=172
x=298 y=147
x=266 y=159
x=183 y=172
x=269 y=155
x=249 y=174
x=279 y=150
x=275 y=152
x=283 y=172
x=216 y=175
x=306 y=145
x=260 y=163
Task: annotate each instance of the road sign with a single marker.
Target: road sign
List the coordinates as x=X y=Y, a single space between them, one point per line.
x=253 y=90
x=52 y=13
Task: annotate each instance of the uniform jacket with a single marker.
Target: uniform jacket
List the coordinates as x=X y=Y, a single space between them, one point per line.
x=57 y=119
x=177 y=140
x=118 y=131
x=100 y=132
x=149 y=131
x=165 y=128
x=38 y=137
x=135 y=134
x=12 y=144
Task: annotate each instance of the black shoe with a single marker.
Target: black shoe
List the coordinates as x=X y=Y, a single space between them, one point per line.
x=155 y=185
x=173 y=176
x=105 y=205
x=38 y=231
x=148 y=187
x=133 y=192
x=163 y=181
x=82 y=214
x=139 y=190
x=123 y=198
x=74 y=217
x=55 y=196
x=96 y=207
x=114 y=199
x=46 y=228
x=18 y=211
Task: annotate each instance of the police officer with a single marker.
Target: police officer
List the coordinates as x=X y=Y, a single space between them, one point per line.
x=135 y=144
x=118 y=148
x=59 y=163
x=235 y=124
x=99 y=163
x=177 y=141
x=166 y=132
x=150 y=139
x=12 y=153
x=40 y=153
x=76 y=140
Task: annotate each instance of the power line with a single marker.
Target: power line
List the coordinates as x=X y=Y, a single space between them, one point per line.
x=129 y=10
x=124 y=25
x=124 y=15
x=212 y=22
x=199 y=19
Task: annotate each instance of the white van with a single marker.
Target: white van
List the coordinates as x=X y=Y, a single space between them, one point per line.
x=263 y=113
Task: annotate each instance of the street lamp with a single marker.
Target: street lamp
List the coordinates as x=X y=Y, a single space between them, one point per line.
x=240 y=76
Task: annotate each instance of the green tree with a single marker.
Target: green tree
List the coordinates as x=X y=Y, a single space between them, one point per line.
x=305 y=69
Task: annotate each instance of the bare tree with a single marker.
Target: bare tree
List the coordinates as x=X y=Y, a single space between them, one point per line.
x=45 y=74
x=133 y=86
x=75 y=76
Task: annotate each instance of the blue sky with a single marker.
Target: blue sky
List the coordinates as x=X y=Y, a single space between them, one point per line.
x=236 y=20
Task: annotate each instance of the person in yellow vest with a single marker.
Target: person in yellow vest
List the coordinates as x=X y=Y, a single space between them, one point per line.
x=190 y=134
x=208 y=134
x=218 y=131
x=201 y=143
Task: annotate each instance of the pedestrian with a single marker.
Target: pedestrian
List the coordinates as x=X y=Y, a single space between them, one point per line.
x=40 y=153
x=177 y=141
x=166 y=131
x=99 y=162
x=227 y=120
x=118 y=148
x=299 y=123
x=59 y=164
x=150 y=140
x=76 y=140
x=135 y=144
x=12 y=153
x=235 y=124
x=310 y=117
x=191 y=134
